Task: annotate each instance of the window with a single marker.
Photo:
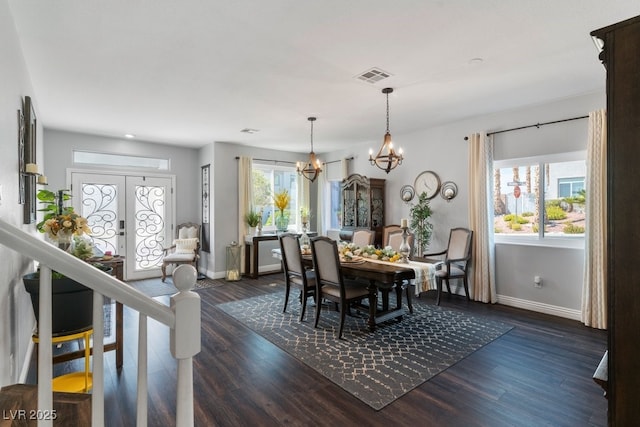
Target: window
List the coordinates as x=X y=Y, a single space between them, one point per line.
x=553 y=185
x=120 y=160
x=269 y=180
x=335 y=197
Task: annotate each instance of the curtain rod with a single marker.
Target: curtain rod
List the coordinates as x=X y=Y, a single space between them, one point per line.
x=293 y=163
x=537 y=125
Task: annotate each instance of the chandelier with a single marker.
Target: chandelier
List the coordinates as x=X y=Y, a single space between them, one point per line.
x=311 y=169
x=387 y=158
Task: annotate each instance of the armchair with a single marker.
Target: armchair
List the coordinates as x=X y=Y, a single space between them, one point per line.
x=457 y=258
x=185 y=248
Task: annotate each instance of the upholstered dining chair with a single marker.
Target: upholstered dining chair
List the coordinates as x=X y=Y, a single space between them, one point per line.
x=295 y=273
x=330 y=284
x=392 y=236
x=362 y=238
x=185 y=248
x=457 y=258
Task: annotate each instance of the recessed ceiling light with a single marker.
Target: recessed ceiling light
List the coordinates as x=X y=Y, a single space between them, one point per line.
x=129 y=135
x=476 y=61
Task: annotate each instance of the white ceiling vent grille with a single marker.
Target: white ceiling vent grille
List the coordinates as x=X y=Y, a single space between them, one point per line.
x=249 y=130
x=373 y=75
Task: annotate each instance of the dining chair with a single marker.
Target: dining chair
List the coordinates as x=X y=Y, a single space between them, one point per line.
x=330 y=283
x=185 y=248
x=295 y=273
x=362 y=238
x=457 y=259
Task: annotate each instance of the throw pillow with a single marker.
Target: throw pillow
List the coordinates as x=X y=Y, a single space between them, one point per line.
x=185 y=246
x=188 y=233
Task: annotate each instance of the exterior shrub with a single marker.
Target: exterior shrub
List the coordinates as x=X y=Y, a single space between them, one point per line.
x=516 y=227
x=527 y=213
x=573 y=229
x=555 y=213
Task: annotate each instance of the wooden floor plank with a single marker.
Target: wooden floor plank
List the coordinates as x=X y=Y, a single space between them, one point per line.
x=539 y=373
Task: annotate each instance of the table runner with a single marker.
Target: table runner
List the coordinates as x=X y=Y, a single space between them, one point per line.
x=425 y=274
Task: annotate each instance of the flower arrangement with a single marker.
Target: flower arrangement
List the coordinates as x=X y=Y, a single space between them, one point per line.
x=281 y=200
x=347 y=250
x=385 y=254
x=60 y=221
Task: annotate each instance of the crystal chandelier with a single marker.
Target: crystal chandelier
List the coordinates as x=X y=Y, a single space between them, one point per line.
x=311 y=169
x=387 y=158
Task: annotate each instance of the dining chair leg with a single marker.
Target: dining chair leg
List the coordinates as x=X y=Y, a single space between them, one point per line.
x=439 y=286
x=448 y=287
x=343 y=314
x=286 y=296
x=318 y=308
x=408 y=290
x=466 y=287
x=303 y=301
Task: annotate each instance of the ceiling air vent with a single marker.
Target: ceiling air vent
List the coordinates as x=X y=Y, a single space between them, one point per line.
x=373 y=75
x=249 y=130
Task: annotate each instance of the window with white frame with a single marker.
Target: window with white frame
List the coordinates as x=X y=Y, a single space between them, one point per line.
x=541 y=197
x=335 y=205
x=269 y=180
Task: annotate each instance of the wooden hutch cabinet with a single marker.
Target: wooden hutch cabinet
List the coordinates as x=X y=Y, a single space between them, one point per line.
x=621 y=58
x=362 y=205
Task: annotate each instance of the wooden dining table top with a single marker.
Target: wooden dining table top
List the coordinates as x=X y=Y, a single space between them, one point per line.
x=385 y=273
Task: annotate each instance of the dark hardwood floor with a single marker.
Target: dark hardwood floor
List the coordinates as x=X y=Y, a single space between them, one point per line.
x=537 y=374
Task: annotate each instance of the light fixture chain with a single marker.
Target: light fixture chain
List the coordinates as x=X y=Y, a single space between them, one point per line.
x=311 y=135
x=387 y=112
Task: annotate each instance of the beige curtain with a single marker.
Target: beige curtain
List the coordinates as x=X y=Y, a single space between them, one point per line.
x=594 y=289
x=482 y=274
x=323 y=185
x=245 y=199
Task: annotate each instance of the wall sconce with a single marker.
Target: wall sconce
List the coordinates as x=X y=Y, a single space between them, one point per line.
x=448 y=190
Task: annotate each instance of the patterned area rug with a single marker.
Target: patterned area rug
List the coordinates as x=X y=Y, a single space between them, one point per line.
x=155 y=287
x=376 y=367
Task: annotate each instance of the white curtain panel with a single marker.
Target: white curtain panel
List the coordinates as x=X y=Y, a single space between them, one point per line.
x=303 y=197
x=245 y=199
x=594 y=290
x=323 y=194
x=482 y=273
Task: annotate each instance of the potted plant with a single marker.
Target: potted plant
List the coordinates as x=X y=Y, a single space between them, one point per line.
x=252 y=219
x=420 y=225
x=72 y=302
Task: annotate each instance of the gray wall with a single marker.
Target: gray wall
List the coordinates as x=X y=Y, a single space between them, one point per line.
x=444 y=150
x=184 y=164
x=225 y=198
x=16 y=315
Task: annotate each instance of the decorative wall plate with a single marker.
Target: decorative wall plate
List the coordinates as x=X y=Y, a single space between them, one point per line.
x=407 y=193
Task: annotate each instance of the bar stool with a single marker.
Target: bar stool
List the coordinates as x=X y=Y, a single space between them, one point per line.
x=74 y=382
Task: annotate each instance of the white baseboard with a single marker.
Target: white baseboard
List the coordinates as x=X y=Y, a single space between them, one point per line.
x=539 y=307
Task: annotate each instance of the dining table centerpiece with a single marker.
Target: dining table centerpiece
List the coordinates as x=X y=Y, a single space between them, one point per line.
x=383 y=254
x=281 y=200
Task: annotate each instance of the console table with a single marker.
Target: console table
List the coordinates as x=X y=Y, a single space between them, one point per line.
x=251 y=246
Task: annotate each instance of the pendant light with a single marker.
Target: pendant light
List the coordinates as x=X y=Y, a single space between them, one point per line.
x=311 y=169
x=387 y=158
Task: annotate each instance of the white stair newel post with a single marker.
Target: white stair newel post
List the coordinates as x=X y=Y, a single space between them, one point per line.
x=97 y=396
x=45 y=352
x=185 y=339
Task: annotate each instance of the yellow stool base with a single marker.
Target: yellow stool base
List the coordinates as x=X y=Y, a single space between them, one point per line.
x=72 y=383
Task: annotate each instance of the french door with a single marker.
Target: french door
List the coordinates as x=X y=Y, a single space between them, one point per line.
x=129 y=215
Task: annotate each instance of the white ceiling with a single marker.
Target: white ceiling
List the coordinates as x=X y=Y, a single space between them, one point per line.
x=191 y=72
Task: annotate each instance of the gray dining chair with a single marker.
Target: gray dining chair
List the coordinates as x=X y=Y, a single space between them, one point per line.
x=330 y=283
x=457 y=258
x=362 y=238
x=295 y=274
